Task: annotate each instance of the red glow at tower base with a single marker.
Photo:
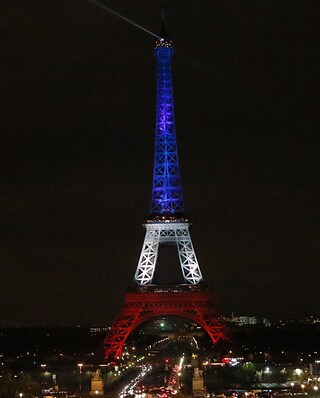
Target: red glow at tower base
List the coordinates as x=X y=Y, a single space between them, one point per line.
x=145 y=303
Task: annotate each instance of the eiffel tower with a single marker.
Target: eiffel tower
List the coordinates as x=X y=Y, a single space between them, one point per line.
x=166 y=225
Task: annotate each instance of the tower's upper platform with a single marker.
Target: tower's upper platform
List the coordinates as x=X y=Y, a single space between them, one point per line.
x=163 y=43
x=167 y=201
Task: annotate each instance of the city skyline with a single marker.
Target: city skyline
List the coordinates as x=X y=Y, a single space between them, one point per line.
x=78 y=140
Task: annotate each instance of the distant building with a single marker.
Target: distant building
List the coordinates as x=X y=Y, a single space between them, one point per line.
x=312 y=319
x=94 y=330
x=243 y=320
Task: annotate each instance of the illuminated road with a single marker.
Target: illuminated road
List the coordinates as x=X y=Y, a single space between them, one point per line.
x=152 y=381
x=129 y=389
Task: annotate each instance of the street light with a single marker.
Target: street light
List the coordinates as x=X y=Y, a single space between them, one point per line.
x=80 y=380
x=316 y=390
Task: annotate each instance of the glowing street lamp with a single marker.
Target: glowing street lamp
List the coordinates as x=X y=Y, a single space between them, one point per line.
x=80 y=379
x=316 y=390
x=267 y=370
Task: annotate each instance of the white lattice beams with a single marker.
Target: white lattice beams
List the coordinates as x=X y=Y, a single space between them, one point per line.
x=188 y=260
x=162 y=233
x=148 y=257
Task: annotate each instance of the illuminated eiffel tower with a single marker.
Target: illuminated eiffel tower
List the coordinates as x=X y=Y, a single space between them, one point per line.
x=167 y=225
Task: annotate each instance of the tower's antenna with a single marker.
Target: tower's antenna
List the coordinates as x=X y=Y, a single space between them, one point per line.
x=163 y=32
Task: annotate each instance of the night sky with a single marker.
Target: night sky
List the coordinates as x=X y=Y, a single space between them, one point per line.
x=78 y=112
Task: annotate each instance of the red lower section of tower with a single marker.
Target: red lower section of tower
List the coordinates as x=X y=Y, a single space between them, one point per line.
x=145 y=303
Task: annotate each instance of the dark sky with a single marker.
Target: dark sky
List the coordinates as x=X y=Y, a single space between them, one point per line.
x=78 y=108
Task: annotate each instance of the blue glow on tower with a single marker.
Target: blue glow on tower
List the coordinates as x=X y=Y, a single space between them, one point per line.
x=166 y=191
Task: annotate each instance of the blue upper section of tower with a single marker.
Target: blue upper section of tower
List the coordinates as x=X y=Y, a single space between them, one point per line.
x=166 y=190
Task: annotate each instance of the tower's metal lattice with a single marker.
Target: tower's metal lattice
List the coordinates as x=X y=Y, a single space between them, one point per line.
x=171 y=232
x=167 y=225
x=166 y=190
x=189 y=302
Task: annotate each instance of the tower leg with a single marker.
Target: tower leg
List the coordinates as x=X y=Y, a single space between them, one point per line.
x=188 y=260
x=148 y=257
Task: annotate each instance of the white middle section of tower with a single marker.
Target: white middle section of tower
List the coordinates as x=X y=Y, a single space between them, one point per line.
x=158 y=233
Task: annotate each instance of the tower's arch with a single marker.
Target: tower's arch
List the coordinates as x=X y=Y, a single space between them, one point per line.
x=143 y=306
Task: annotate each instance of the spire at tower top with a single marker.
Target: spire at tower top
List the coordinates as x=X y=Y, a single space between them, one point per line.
x=163 y=33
